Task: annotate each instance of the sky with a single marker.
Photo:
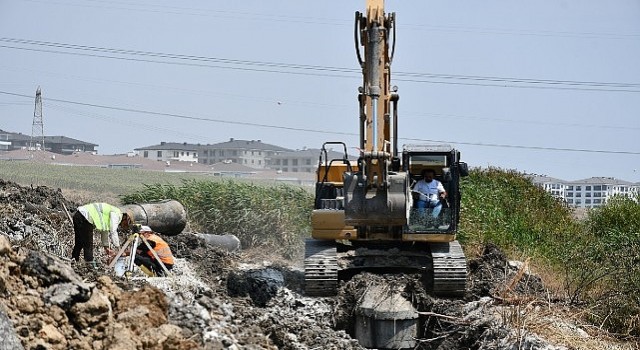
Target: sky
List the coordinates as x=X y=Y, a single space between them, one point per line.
x=549 y=87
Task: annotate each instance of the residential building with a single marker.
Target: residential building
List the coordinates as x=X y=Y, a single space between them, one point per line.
x=587 y=193
x=170 y=151
x=67 y=145
x=4 y=142
x=251 y=153
x=230 y=169
x=303 y=161
x=552 y=185
x=55 y=144
x=593 y=192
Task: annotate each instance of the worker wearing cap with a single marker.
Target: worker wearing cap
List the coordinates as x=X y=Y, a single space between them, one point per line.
x=145 y=256
x=102 y=217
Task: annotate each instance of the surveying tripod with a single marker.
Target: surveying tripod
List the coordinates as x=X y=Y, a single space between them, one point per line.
x=134 y=239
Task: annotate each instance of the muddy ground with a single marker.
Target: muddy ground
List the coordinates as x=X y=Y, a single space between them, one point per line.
x=223 y=300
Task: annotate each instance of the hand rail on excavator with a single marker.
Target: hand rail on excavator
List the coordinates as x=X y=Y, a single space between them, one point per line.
x=324 y=158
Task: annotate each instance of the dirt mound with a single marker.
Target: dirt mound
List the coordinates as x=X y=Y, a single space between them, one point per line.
x=35 y=217
x=211 y=263
x=51 y=307
x=492 y=275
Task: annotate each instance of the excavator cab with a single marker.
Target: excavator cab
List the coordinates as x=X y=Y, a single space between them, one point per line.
x=447 y=168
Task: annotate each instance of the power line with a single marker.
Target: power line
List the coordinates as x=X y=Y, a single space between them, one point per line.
x=174 y=88
x=273 y=100
x=206 y=12
x=535 y=122
x=523 y=32
x=304 y=69
x=406 y=114
x=144 y=126
x=183 y=116
x=181 y=63
x=583 y=150
x=191 y=11
x=280 y=127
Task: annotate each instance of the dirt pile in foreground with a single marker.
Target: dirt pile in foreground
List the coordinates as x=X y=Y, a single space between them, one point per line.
x=222 y=300
x=51 y=307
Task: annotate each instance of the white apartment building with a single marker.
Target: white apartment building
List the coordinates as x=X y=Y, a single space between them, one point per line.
x=587 y=193
x=301 y=161
x=170 y=151
x=252 y=153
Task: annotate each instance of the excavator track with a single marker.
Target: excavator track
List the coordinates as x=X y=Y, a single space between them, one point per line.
x=449 y=269
x=443 y=264
x=320 y=268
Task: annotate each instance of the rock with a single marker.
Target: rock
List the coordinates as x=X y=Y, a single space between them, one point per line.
x=92 y=312
x=106 y=285
x=49 y=269
x=66 y=294
x=28 y=303
x=51 y=335
x=10 y=340
x=5 y=246
x=260 y=284
x=122 y=339
x=154 y=337
x=152 y=299
x=138 y=318
x=57 y=314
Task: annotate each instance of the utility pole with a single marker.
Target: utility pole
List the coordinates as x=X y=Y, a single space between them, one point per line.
x=37 y=129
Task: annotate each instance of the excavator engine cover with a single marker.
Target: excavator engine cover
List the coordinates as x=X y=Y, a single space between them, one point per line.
x=381 y=206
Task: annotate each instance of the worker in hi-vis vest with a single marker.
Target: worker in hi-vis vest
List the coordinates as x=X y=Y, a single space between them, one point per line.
x=102 y=217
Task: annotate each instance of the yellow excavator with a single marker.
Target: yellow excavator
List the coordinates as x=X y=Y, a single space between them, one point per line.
x=364 y=217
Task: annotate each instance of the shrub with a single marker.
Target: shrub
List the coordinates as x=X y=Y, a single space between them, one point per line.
x=273 y=216
x=615 y=298
x=505 y=208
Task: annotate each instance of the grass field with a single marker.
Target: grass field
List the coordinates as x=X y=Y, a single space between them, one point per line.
x=86 y=183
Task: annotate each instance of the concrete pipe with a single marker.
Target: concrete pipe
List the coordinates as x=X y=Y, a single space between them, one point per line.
x=166 y=217
x=227 y=242
x=385 y=319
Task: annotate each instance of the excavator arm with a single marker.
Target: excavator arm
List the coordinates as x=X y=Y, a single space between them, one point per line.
x=373 y=31
x=375 y=195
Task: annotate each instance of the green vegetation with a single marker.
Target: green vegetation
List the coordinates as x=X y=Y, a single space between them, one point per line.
x=611 y=256
x=504 y=207
x=597 y=259
x=274 y=217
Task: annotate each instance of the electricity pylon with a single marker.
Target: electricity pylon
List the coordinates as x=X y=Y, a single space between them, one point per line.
x=37 y=129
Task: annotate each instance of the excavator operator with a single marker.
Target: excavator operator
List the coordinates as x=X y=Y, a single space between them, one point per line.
x=430 y=191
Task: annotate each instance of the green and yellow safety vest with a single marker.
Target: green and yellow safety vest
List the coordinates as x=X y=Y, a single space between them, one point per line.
x=100 y=215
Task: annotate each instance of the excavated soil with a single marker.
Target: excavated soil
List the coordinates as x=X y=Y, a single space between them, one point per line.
x=217 y=299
